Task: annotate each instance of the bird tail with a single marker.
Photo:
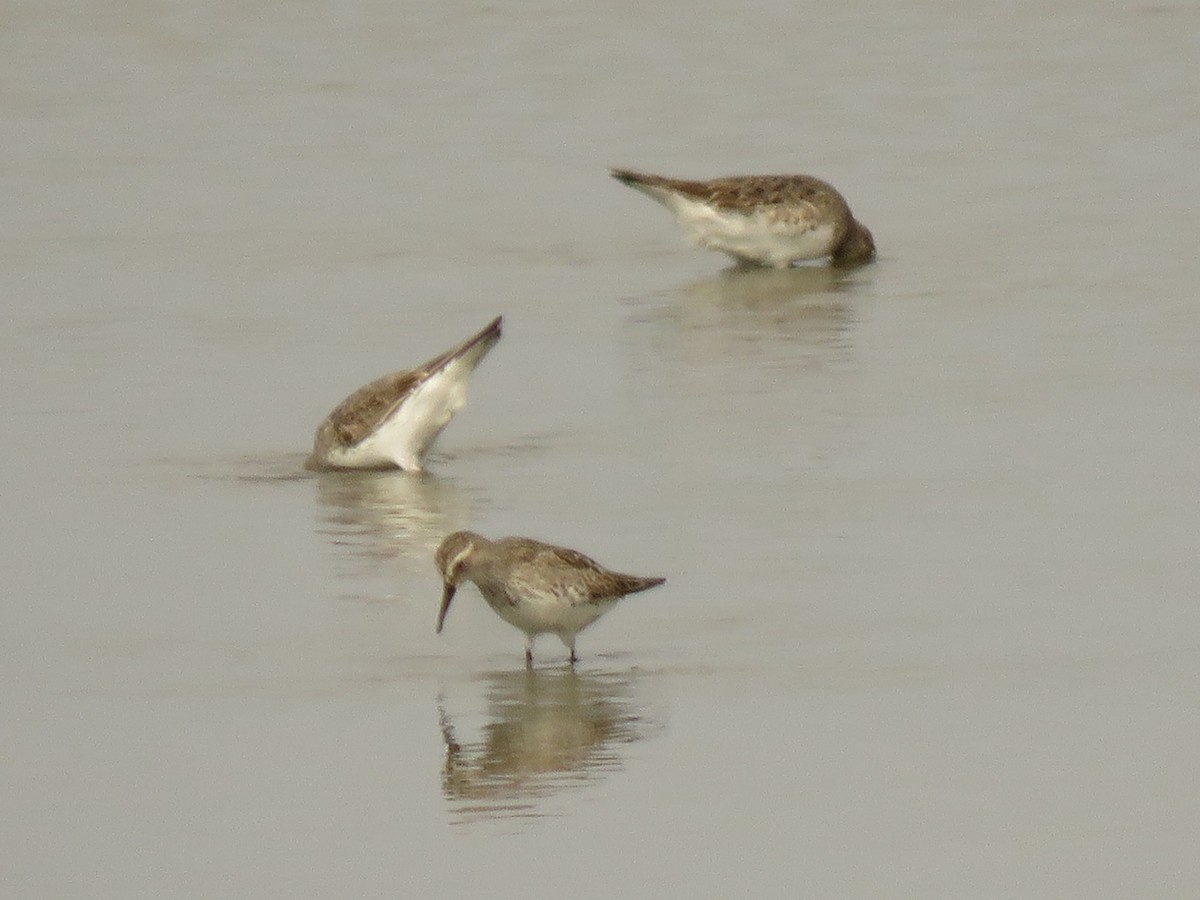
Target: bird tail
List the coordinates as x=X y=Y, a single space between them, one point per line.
x=655 y=185
x=659 y=188
x=643 y=584
x=634 y=179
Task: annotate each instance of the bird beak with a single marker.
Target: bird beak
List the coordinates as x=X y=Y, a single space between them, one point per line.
x=448 y=590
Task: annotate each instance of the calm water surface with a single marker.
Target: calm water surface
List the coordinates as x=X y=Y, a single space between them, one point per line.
x=931 y=626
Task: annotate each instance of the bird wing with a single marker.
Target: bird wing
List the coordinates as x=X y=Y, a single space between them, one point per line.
x=371 y=405
x=572 y=574
x=763 y=190
x=362 y=412
x=791 y=205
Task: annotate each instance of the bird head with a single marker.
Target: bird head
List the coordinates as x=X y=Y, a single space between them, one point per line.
x=451 y=559
x=857 y=248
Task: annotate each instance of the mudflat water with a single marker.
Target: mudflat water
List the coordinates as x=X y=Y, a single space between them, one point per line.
x=932 y=624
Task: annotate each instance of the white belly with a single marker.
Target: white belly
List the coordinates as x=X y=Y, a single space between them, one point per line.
x=544 y=615
x=404 y=437
x=758 y=237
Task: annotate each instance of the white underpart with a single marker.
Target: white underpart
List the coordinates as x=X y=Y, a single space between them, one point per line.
x=404 y=437
x=758 y=237
x=541 y=612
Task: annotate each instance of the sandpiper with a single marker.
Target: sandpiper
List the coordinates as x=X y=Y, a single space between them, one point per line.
x=536 y=587
x=392 y=421
x=764 y=220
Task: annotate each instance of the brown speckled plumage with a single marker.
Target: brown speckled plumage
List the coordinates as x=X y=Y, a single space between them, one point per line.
x=748 y=192
x=360 y=414
x=800 y=203
x=537 y=587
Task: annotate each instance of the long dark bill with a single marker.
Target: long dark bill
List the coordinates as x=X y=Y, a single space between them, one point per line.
x=447 y=595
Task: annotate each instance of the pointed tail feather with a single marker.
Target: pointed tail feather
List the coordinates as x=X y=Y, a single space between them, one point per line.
x=660 y=188
x=475 y=347
x=636 y=584
x=633 y=179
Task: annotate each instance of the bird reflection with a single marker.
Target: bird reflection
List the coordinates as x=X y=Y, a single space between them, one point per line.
x=737 y=331
x=754 y=306
x=390 y=514
x=547 y=731
x=773 y=284
x=754 y=365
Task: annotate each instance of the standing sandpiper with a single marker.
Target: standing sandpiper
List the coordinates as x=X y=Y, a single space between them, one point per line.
x=764 y=220
x=393 y=420
x=536 y=587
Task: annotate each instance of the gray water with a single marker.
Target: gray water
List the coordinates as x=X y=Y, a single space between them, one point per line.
x=932 y=625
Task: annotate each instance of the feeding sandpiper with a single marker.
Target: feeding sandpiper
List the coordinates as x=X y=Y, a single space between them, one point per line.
x=536 y=587
x=393 y=420
x=765 y=220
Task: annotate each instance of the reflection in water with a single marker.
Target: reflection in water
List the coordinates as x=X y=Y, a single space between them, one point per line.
x=769 y=284
x=769 y=349
x=392 y=514
x=547 y=731
x=281 y=468
x=740 y=307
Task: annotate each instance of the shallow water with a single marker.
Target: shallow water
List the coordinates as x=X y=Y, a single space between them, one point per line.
x=929 y=526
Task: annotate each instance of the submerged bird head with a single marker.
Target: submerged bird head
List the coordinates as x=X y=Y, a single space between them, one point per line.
x=857 y=247
x=451 y=559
